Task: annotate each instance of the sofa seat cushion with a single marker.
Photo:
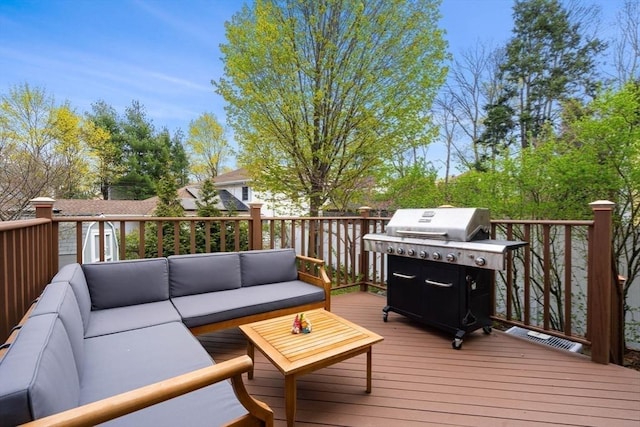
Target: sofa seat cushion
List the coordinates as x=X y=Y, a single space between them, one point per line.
x=122 y=283
x=202 y=309
x=38 y=374
x=121 y=362
x=119 y=319
x=200 y=273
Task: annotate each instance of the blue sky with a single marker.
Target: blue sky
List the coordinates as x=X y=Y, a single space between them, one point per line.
x=164 y=53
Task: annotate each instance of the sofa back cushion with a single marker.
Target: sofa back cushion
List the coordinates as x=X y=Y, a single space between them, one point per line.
x=59 y=298
x=268 y=266
x=73 y=274
x=38 y=375
x=123 y=283
x=201 y=273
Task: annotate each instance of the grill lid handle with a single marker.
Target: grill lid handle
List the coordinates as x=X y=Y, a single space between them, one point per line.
x=423 y=233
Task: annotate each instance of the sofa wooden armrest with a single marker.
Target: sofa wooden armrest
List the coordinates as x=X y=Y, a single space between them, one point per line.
x=312 y=270
x=113 y=407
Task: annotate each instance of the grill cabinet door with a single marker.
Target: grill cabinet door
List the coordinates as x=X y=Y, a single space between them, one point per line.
x=442 y=284
x=404 y=286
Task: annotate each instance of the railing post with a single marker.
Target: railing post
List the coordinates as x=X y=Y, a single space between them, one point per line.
x=599 y=286
x=256 y=226
x=44 y=209
x=365 y=211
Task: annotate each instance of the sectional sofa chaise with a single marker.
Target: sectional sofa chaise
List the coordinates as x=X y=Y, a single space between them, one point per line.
x=114 y=342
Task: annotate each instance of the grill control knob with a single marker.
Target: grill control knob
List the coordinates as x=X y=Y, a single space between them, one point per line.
x=436 y=256
x=390 y=249
x=423 y=254
x=480 y=261
x=411 y=252
x=399 y=251
x=451 y=257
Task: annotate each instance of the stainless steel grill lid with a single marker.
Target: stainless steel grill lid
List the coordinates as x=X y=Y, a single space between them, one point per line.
x=458 y=224
x=450 y=235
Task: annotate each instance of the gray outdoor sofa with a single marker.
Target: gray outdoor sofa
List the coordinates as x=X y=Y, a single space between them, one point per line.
x=109 y=341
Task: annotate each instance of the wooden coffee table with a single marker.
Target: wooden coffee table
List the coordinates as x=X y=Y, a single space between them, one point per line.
x=333 y=339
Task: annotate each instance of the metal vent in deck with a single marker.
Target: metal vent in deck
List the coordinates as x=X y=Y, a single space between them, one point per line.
x=545 y=339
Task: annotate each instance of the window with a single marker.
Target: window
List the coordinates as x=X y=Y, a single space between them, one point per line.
x=95 y=245
x=245 y=194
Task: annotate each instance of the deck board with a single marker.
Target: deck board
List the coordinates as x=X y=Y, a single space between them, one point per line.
x=419 y=380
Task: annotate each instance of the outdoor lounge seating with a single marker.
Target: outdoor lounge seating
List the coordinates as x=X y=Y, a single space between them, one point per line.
x=109 y=339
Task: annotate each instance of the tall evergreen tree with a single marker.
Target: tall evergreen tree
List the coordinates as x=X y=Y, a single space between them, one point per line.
x=146 y=155
x=549 y=60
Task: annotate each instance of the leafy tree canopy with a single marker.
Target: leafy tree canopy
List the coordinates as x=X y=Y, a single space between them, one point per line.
x=322 y=93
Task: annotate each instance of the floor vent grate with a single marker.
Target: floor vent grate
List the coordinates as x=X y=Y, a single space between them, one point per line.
x=545 y=339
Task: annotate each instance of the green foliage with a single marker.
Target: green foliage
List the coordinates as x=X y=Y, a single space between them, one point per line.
x=322 y=93
x=41 y=150
x=208 y=146
x=549 y=60
x=168 y=206
x=416 y=188
x=179 y=159
x=106 y=144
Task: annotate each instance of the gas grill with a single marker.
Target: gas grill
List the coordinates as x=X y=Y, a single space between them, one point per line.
x=440 y=264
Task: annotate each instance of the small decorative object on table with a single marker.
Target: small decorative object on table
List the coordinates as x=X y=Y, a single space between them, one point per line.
x=301 y=324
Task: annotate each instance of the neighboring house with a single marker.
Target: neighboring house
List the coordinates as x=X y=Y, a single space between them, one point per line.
x=238 y=184
x=226 y=202
x=114 y=209
x=67 y=243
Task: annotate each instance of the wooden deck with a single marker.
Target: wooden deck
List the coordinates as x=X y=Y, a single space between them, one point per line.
x=419 y=380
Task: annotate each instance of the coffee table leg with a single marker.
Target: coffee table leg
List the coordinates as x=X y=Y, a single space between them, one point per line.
x=369 y=370
x=250 y=353
x=290 y=399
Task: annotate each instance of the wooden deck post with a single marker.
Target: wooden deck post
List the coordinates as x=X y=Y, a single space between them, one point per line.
x=256 y=226
x=600 y=278
x=365 y=211
x=44 y=209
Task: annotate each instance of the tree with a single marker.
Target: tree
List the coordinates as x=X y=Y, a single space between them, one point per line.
x=472 y=84
x=179 y=159
x=208 y=145
x=627 y=47
x=322 y=93
x=549 y=60
x=611 y=131
x=103 y=133
x=146 y=155
x=39 y=143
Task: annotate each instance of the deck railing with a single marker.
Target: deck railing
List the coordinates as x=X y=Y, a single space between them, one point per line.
x=562 y=283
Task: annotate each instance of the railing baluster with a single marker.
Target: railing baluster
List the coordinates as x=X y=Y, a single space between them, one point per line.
x=141 y=250
x=546 y=275
x=123 y=240
x=101 y=239
x=527 y=275
x=160 y=237
x=236 y=230
x=567 y=280
x=79 y=254
x=192 y=237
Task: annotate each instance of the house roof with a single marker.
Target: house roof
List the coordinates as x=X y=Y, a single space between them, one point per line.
x=190 y=193
x=78 y=207
x=233 y=177
x=187 y=195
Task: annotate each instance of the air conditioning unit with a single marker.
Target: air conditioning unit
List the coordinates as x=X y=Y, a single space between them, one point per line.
x=549 y=340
